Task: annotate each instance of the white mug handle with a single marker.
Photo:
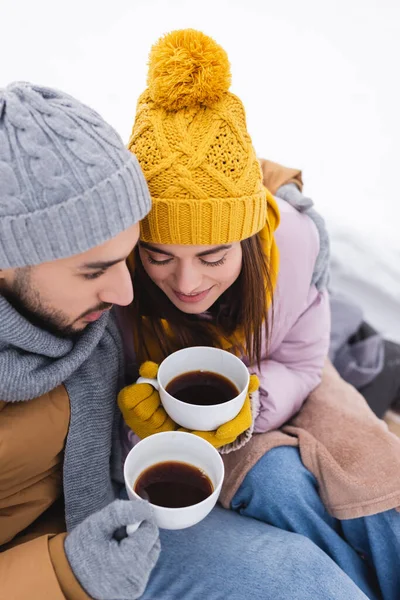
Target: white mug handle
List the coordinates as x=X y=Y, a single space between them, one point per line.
x=122 y=532
x=152 y=382
x=130 y=529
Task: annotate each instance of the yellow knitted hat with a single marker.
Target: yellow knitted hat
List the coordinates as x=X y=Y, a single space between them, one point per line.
x=192 y=144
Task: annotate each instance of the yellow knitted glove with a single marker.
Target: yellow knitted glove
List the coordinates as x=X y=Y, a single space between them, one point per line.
x=141 y=407
x=142 y=411
x=228 y=432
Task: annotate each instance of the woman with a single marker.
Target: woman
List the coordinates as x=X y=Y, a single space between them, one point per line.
x=213 y=268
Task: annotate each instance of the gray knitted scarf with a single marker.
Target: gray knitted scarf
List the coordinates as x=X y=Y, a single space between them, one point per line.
x=34 y=362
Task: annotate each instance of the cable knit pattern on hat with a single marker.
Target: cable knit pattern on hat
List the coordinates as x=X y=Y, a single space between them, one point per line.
x=67 y=183
x=191 y=140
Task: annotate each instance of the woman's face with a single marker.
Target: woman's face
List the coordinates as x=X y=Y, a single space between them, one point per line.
x=193 y=277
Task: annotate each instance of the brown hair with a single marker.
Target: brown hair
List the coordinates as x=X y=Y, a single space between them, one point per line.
x=243 y=305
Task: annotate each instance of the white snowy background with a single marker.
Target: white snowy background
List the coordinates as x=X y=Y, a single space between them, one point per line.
x=319 y=80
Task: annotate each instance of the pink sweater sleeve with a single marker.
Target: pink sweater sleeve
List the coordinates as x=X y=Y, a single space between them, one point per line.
x=294 y=369
x=299 y=340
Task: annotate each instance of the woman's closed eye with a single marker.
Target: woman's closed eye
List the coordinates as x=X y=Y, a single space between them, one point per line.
x=153 y=261
x=166 y=261
x=215 y=263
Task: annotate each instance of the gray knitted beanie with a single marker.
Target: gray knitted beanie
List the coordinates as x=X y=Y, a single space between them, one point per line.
x=67 y=183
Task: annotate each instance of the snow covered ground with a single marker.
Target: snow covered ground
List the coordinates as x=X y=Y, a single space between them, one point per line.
x=370 y=275
x=320 y=82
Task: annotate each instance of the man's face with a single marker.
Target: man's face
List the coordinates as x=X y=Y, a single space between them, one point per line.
x=64 y=296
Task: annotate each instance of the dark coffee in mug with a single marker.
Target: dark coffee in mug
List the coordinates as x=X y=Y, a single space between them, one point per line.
x=173 y=484
x=203 y=388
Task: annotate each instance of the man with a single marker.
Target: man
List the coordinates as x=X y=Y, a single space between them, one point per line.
x=71 y=197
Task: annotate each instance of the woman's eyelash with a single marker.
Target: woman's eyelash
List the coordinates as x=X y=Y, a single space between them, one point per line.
x=217 y=263
x=158 y=262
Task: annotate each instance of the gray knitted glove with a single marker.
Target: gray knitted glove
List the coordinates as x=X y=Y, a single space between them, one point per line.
x=111 y=570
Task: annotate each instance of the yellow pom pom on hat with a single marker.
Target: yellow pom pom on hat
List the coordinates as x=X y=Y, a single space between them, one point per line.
x=191 y=140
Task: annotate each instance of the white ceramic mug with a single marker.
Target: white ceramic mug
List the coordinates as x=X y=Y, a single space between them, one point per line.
x=181 y=447
x=201 y=358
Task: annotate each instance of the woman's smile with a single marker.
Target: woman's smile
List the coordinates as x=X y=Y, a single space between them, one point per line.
x=193 y=297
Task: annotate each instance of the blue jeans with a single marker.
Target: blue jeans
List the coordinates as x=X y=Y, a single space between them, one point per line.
x=229 y=557
x=280 y=491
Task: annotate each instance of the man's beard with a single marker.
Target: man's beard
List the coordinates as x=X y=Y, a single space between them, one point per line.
x=27 y=301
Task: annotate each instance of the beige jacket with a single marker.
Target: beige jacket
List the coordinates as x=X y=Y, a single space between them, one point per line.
x=33 y=564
